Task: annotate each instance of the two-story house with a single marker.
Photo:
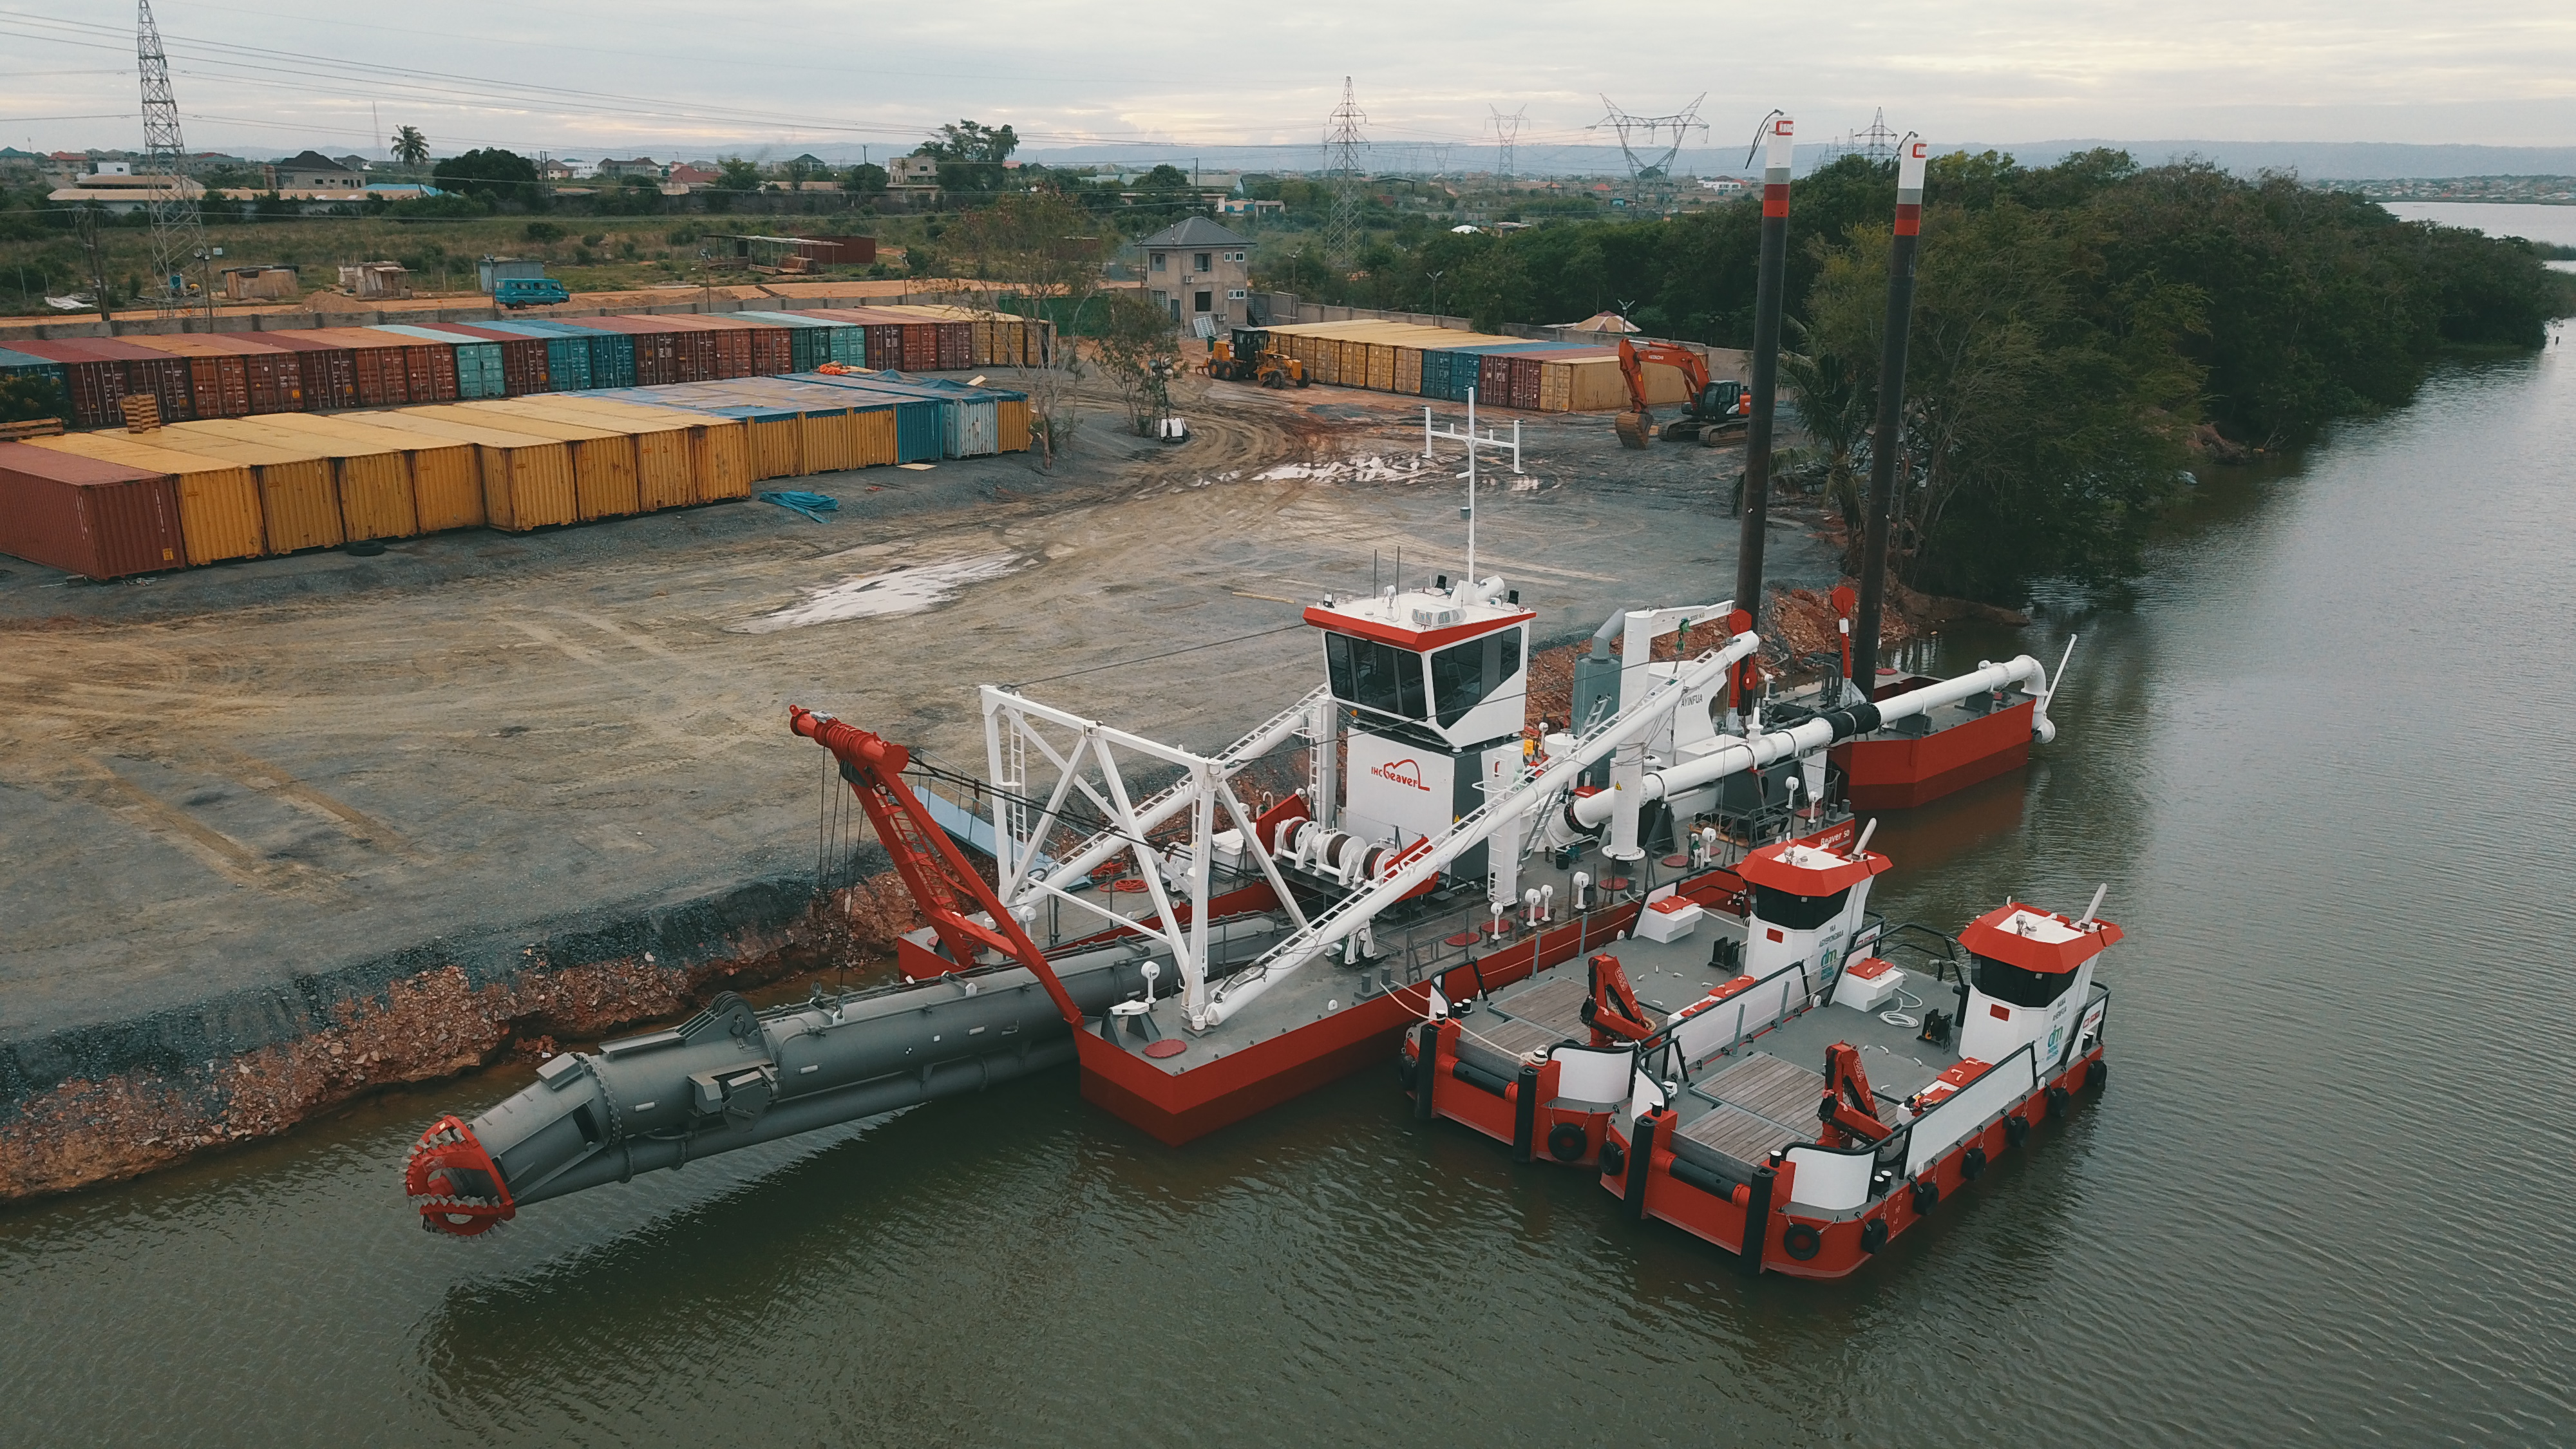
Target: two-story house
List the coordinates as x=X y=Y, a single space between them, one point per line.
x=313 y=171
x=1199 y=269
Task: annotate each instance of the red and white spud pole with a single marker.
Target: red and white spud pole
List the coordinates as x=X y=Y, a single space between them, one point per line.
x=1779 y=149
x=1862 y=666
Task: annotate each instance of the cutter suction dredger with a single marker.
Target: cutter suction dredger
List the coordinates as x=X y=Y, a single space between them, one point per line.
x=1203 y=956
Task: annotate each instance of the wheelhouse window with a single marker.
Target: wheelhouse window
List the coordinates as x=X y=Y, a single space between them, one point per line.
x=1462 y=675
x=1375 y=676
x=1796 y=912
x=2011 y=984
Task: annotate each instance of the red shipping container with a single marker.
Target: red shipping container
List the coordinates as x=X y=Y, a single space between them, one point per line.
x=956 y=346
x=97 y=384
x=920 y=347
x=152 y=373
x=772 y=351
x=326 y=371
x=1525 y=383
x=83 y=516
x=885 y=345
x=728 y=343
x=657 y=347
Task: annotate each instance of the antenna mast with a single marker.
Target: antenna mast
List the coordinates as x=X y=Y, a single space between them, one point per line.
x=178 y=237
x=1343 y=143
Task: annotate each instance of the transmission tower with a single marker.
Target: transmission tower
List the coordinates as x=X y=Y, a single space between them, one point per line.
x=1878 y=143
x=178 y=237
x=1343 y=143
x=1636 y=131
x=1507 y=133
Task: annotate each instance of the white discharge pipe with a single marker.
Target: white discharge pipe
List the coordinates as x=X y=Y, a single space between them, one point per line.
x=1351 y=915
x=1814 y=734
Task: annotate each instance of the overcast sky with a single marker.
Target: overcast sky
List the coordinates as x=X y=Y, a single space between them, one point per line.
x=586 y=78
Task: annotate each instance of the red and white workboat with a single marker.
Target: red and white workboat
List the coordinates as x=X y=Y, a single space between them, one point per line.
x=1694 y=1099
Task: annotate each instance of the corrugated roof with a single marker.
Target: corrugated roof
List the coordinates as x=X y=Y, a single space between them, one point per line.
x=1197 y=231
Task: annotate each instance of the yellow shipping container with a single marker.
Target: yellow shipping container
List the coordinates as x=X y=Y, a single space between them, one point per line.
x=1381 y=366
x=718 y=448
x=374 y=481
x=219 y=512
x=664 y=470
x=603 y=458
x=1408 y=370
x=1011 y=419
x=299 y=495
x=528 y=480
x=446 y=480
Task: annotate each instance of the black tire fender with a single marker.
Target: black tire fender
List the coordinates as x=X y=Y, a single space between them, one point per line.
x=1566 y=1141
x=2016 y=1129
x=1972 y=1163
x=1801 y=1241
x=1614 y=1159
x=1926 y=1194
x=2057 y=1101
x=1873 y=1235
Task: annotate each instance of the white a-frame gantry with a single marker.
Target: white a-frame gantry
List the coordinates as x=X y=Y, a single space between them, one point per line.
x=1060 y=780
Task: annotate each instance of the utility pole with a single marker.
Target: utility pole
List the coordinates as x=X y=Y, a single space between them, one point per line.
x=1889 y=440
x=178 y=237
x=1780 y=149
x=1343 y=143
x=85 y=223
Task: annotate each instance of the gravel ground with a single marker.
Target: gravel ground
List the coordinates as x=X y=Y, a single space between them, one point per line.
x=228 y=784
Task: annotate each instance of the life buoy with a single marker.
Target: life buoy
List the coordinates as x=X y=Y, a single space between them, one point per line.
x=1927 y=1194
x=1801 y=1241
x=1972 y=1164
x=1614 y=1159
x=1566 y=1141
x=1873 y=1235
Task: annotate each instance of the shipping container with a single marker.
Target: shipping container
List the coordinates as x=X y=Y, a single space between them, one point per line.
x=371 y=481
x=664 y=461
x=149 y=372
x=329 y=370
x=528 y=481
x=1011 y=423
x=219 y=515
x=603 y=459
x=613 y=354
x=662 y=354
x=719 y=448
x=526 y=362
x=567 y=357
x=477 y=362
x=15 y=364
x=87 y=516
x=218 y=379
x=727 y=343
x=96 y=385
x=299 y=484
x=446 y=477
x=392 y=368
x=272 y=374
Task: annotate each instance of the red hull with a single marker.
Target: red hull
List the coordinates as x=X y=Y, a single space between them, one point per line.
x=1175 y=1108
x=1897 y=774
x=1837 y=1249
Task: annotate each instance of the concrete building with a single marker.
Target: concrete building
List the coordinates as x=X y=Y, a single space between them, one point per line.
x=313 y=171
x=913 y=170
x=644 y=166
x=1198 y=269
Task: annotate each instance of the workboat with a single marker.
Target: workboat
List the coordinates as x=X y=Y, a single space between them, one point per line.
x=1202 y=956
x=1676 y=1064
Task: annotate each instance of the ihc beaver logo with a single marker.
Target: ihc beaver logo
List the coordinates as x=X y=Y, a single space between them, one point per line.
x=1402 y=772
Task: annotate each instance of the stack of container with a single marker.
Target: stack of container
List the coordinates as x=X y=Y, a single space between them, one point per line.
x=1441 y=363
x=88 y=516
x=218 y=499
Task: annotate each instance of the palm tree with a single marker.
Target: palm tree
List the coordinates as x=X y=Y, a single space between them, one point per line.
x=410 y=147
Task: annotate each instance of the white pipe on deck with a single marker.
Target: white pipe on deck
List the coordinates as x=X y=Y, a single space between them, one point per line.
x=1806 y=737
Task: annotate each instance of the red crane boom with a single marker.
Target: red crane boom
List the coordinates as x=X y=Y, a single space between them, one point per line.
x=947 y=888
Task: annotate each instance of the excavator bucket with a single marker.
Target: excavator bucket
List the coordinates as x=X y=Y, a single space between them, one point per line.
x=1633 y=429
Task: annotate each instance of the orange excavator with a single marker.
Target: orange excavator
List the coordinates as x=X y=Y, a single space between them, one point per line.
x=1714 y=409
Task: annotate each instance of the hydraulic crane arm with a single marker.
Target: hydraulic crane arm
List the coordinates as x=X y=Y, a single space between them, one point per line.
x=946 y=887
x=1847 y=1111
x=1612 y=1010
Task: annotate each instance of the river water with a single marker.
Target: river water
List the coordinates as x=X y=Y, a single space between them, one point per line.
x=2321 y=755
